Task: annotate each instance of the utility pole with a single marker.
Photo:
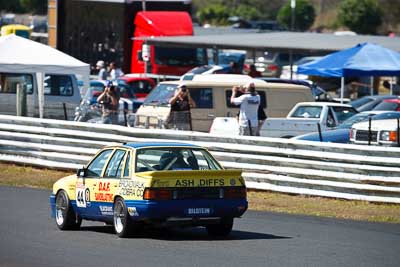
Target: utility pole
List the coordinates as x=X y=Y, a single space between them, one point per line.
x=144 y=5
x=292 y=6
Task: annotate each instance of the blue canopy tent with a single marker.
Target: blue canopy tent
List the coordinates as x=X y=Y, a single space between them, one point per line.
x=361 y=60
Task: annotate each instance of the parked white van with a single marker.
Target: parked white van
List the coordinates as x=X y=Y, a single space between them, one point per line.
x=61 y=94
x=212 y=93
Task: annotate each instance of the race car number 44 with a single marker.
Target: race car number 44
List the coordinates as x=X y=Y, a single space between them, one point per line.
x=198 y=211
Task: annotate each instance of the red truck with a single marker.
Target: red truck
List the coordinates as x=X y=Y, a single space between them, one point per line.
x=163 y=60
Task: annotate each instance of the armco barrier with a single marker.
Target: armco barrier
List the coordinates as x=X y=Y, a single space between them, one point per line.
x=368 y=173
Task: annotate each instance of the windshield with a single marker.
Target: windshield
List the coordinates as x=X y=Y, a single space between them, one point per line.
x=361 y=101
x=226 y=59
x=307 y=112
x=386 y=105
x=387 y=115
x=343 y=113
x=174 y=158
x=178 y=56
x=160 y=95
x=356 y=118
x=94 y=91
x=125 y=90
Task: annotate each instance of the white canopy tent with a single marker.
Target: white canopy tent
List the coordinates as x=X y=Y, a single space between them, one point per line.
x=21 y=55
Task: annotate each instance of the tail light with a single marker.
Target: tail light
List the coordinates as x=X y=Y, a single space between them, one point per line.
x=235 y=192
x=273 y=67
x=157 y=194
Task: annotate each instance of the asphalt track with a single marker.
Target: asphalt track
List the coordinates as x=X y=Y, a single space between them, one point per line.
x=29 y=237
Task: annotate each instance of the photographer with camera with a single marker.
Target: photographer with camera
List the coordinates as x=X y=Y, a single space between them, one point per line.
x=180 y=117
x=249 y=103
x=110 y=102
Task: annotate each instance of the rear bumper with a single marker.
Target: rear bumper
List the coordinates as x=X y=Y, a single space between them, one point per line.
x=169 y=209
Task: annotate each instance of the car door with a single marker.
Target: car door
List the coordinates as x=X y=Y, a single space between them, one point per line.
x=204 y=112
x=86 y=185
x=105 y=187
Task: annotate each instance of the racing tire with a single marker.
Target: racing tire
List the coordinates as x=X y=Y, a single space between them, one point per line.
x=122 y=221
x=222 y=229
x=66 y=218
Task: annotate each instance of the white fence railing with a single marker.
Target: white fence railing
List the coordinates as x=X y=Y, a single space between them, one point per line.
x=368 y=173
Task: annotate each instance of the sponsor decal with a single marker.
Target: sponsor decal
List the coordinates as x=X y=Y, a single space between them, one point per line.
x=131 y=188
x=198 y=211
x=82 y=197
x=107 y=197
x=104 y=186
x=160 y=183
x=106 y=210
x=132 y=211
x=200 y=182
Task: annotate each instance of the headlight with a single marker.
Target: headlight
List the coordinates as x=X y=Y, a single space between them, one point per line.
x=388 y=136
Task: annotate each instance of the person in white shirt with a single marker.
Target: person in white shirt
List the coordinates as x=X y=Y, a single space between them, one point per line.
x=102 y=74
x=248 y=115
x=115 y=72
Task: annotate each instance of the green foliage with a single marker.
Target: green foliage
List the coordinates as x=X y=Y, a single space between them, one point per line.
x=304 y=15
x=20 y=6
x=361 y=16
x=216 y=14
x=35 y=6
x=246 y=9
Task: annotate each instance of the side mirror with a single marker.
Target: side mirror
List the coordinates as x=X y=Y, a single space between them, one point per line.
x=81 y=172
x=140 y=55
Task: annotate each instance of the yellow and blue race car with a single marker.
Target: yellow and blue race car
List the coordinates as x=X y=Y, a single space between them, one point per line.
x=161 y=184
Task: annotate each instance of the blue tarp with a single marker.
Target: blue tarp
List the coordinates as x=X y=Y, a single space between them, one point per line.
x=361 y=60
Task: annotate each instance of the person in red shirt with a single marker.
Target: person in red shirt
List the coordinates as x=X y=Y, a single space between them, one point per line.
x=254 y=72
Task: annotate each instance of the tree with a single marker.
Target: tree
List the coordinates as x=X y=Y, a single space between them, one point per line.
x=304 y=15
x=361 y=16
x=216 y=14
x=35 y=6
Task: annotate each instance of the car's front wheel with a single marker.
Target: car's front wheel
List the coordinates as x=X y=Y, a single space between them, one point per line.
x=66 y=219
x=223 y=228
x=122 y=220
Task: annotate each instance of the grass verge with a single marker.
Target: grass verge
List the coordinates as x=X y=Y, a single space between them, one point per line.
x=13 y=175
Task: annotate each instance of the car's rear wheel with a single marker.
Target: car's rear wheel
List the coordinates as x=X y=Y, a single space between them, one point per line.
x=66 y=219
x=122 y=220
x=223 y=228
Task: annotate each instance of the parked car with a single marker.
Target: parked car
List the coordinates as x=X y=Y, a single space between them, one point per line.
x=319 y=93
x=212 y=93
x=369 y=102
x=153 y=184
x=305 y=117
x=341 y=133
x=61 y=94
x=286 y=68
x=270 y=63
x=223 y=67
x=378 y=132
x=89 y=110
x=137 y=84
x=389 y=104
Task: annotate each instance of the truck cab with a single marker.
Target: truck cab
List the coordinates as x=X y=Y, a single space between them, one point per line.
x=163 y=60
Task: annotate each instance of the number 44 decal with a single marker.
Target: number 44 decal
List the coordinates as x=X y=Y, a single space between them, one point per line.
x=82 y=197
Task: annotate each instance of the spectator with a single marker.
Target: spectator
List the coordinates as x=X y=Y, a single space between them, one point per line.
x=249 y=103
x=115 y=72
x=234 y=68
x=180 y=117
x=102 y=72
x=254 y=72
x=110 y=101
